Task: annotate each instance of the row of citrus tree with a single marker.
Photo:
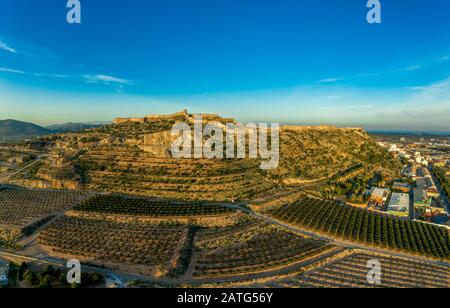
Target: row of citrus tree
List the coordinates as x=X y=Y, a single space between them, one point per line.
x=360 y=225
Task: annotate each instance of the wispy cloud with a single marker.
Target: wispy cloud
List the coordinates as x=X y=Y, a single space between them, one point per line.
x=117 y=83
x=51 y=75
x=5 y=47
x=20 y=72
x=13 y=71
x=106 y=79
x=413 y=68
x=433 y=92
x=29 y=51
x=403 y=70
x=444 y=58
x=331 y=80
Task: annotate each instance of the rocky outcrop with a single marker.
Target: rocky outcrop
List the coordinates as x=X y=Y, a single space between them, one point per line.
x=48 y=184
x=158 y=144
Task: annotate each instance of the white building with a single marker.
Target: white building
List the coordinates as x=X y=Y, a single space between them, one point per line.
x=393 y=148
x=399 y=203
x=380 y=195
x=403 y=154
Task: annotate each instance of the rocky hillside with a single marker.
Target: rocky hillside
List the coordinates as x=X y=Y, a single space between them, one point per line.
x=133 y=157
x=311 y=153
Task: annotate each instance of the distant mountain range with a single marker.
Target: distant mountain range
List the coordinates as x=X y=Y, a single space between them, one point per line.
x=71 y=127
x=13 y=130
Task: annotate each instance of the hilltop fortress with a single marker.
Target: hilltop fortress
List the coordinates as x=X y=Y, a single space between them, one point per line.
x=178 y=115
x=206 y=117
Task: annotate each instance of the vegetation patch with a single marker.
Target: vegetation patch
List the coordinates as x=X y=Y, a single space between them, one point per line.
x=355 y=224
x=143 y=247
x=251 y=252
x=121 y=205
x=351 y=272
x=22 y=207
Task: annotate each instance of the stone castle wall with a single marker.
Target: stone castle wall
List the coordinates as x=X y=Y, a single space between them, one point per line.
x=184 y=113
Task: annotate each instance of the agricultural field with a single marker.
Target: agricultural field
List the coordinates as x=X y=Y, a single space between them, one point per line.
x=24 y=210
x=20 y=207
x=122 y=205
x=146 y=248
x=161 y=239
x=252 y=247
x=355 y=224
x=351 y=272
x=214 y=237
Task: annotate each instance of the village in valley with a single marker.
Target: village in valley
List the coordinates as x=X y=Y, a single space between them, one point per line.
x=420 y=194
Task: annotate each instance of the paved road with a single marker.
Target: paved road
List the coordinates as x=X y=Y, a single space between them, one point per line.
x=9 y=176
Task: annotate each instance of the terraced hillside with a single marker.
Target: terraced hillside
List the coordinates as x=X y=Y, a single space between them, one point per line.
x=121 y=169
x=134 y=158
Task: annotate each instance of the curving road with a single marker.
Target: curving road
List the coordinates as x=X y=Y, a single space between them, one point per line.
x=34 y=162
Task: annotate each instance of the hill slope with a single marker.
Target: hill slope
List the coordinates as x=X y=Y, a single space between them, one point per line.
x=15 y=130
x=310 y=153
x=133 y=157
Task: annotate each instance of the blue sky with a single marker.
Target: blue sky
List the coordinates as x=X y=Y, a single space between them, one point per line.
x=288 y=61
